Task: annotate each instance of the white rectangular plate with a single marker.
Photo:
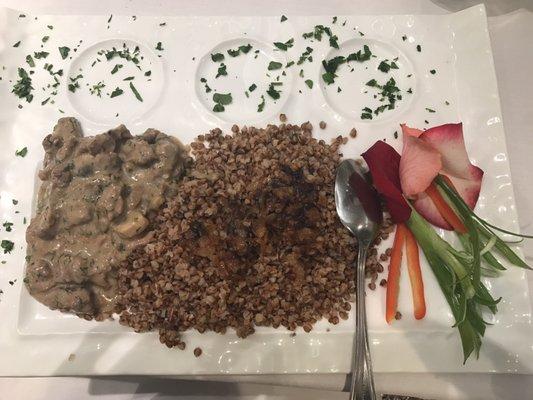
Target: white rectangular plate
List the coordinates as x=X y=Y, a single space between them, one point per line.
x=38 y=341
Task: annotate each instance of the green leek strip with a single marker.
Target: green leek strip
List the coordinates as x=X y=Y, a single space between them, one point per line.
x=483 y=230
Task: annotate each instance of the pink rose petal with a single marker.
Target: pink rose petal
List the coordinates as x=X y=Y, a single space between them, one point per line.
x=419 y=165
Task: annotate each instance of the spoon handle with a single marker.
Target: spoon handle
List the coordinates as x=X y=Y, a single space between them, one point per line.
x=362 y=377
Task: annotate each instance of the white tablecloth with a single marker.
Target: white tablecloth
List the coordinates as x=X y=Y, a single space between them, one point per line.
x=511 y=29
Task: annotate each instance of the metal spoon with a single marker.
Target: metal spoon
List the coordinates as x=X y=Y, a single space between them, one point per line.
x=359 y=210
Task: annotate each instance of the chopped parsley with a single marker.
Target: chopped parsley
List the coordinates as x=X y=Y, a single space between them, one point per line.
x=148 y=73
x=40 y=54
x=116 y=68
x=367 y=113
x=252 y=87
x=388 y=92
x=135 y=92
x=447 y=102
x=306 y=55
x=23 y=88
x=274 y=65
x=430 y=110
x=97 y=89
x=64 y=51
x=386 y=67
x=15 y=202
x=418 y=48
x=289 y=64
x=29 y=60
x=22 y=152
x=244 y=49
x=284 y=46
x=110 y=18
x=159 y=46
x=334 y=21
x=17 y=44
x=221 y=70
x=129 y=78
x=7 y=226
x=404 y=38
x=163 y=24
x=74 y=84
x=432 y=71
x=283 y=18
x=309 y=83
x=50 y=27
x=45 y=39
x=7 y=246
x=221 y=100
x=117 y=92
x=218 y=108
x=261 y=106
x=272 y=92
x=217 y=57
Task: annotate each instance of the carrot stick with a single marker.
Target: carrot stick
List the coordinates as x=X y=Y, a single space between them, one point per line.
x=393 y=278
x=415 y=275
x=445 y=210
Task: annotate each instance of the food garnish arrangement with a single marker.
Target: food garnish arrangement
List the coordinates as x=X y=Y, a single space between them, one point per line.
x=238 y=229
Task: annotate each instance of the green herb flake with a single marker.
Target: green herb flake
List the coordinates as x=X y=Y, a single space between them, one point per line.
x=163 y=24
x=430 y=110
x=404 y=38
x=289 y=64
x=261 y=106
x=432 y=71
x=217 y=57
x=129 y=78
x=117 y=92
x=116 y=68
x=7 y=226
x=50 y=27
x=223 y=98
x=97 y=89
x=221 y=71
x=218 y=108
x=23 y=88
x=14 y=201
x=135 y=92
x=29 y=60
x=45 y=101
x=148 y=73
x=283 y=18
x=418 y=48
x=252 y=87
x=447 y=102
x=45 y=39
x=40 y=54
x=22 y=152
x=17 y=44
x=309 y=83
x=7 y=246
x=274 y=65
x=159 y=46
x=284 y=46
x=272 y=92
x=64 y=51
x=384 y=67
x=245 y=49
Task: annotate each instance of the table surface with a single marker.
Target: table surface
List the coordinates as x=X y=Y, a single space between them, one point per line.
x=511 y=29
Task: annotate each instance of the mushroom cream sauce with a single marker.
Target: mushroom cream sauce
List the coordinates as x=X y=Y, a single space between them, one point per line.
x=94 y=207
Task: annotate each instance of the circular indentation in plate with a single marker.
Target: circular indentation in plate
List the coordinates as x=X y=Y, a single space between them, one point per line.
x=243 y=71
x=105 y=66
x=351 y=96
